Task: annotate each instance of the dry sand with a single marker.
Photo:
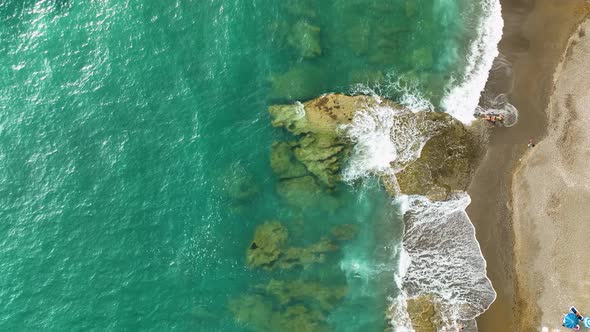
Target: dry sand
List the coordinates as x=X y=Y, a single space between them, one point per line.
x=535 y=37
x=551 y=197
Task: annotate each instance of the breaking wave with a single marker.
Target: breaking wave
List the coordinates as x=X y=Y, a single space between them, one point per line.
x=385 y=138
x=442 y=260
x=464 y=94
x=439 y=255
x=402 y=88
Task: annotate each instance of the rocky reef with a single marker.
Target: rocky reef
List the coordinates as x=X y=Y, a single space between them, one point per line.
x=302 y=306
x=305 y=38
x=268 y=249
x=440 y=162
x=446 y=163
x=289 y=305
x=435 y=156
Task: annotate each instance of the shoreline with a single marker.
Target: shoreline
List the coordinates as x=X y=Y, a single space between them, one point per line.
x=535 y=37
x=553 y=211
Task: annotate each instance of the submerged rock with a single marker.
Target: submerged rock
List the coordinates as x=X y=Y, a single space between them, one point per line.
x=305 y=38
x=265 y=248
x=345 y=232
x=435 y=154
x=284 y=163
x=298 y=83
x=301 y=192
x=268 y=249
x=288 y=306
x=303 y=8
x=260 y=314
x=358 y=37
x=321 y=146
x=320 y=297
x=304 y=257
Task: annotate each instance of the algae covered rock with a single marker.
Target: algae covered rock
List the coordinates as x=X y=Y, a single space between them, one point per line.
x=322 y=156
x=304 y=257
x=321 y=146
x=422 y=314
x=435 y=154
x=305 y=38
x=291 y=117
x=322 y=115
x=300 y=192
x=288 y=306
x=446 y=163
x=268 y=249
x=267 y=244
x=345 y=232
x=260 y=314
x=284 y=163
x=300 y=82
x=320 y=297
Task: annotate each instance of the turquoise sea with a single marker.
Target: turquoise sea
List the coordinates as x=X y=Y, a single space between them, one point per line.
x=135 y=155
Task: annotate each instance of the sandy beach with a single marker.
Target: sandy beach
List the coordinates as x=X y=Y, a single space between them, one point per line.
x=535 y=37
x=551 y=195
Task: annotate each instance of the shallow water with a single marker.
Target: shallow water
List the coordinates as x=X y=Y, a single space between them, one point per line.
x=135 y=143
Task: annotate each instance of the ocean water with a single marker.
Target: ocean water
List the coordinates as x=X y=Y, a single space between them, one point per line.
x=135 y=158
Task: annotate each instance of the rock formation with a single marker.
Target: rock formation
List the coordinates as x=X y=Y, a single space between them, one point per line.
x=268 y=249
x=444 y=164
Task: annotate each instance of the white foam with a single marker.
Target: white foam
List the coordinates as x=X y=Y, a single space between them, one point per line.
x=299 y=110
x=373 y=149
x=445 y=260
x=463 y=98
x=406 y=91
x=385 y=140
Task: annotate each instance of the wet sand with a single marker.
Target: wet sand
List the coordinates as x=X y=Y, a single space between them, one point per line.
x=535 y=37
x=551 y=196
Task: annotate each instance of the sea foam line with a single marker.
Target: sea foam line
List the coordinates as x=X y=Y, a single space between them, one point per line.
x=462 y=99
x=440 y=257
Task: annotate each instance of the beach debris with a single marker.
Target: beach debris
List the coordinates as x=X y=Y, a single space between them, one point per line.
x=531 y=143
